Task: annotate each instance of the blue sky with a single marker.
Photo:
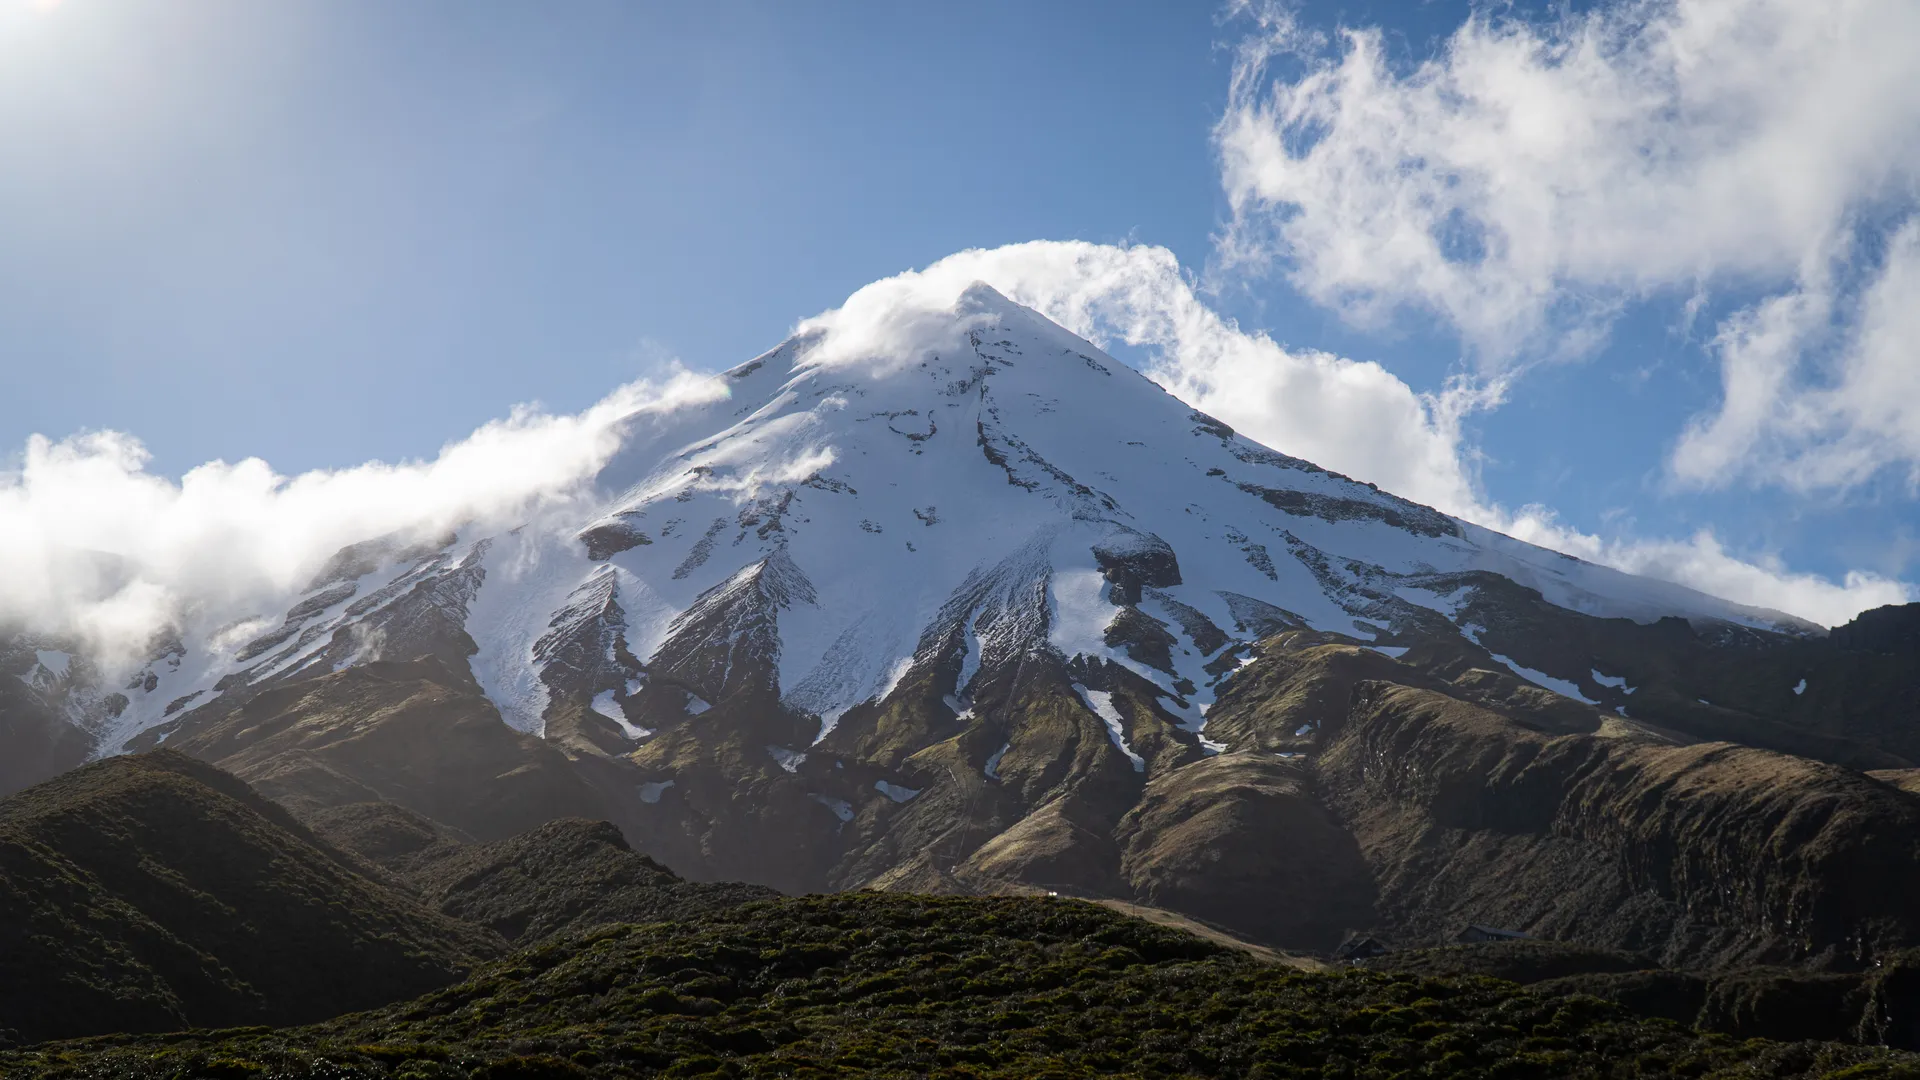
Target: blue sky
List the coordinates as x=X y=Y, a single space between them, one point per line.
x=323 y=233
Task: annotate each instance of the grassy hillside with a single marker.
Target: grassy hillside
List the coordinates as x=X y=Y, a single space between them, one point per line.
x=889 y=985
x=155 y=892
x=567 y=875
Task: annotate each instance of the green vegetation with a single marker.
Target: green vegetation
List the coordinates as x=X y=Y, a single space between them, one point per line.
x=886 y=985
x=153 y=892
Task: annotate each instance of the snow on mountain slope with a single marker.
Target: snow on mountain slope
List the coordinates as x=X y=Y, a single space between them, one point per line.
x=979 y=487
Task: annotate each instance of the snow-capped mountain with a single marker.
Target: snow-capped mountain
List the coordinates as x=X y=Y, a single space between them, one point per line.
x=841 y=519
x=952 y=600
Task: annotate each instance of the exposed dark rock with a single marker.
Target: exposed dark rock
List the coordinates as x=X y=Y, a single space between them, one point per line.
x=1398 y=513
x=1144 y=638
x=610 y=538
x=1893 y=629
x=1132 y=560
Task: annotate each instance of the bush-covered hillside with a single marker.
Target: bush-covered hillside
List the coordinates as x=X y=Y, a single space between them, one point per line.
x=887 y=985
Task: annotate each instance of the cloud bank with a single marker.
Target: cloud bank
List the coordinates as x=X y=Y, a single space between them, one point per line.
x=99 y=550
x=1533 y=179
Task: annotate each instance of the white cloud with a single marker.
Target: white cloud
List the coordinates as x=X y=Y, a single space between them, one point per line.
x=1534 y=178
x=1702 y=562
x=1809 y=424
x=1353 y=417
x=95 y=546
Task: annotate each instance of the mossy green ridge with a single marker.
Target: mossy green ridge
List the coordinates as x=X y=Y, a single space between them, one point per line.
x=566 y=876
x=872 y=984
x=154 y=892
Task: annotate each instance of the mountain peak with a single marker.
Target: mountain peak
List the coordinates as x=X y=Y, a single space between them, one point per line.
x=918 y=481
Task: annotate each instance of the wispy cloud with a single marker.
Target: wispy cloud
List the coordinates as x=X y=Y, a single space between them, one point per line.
x=1535 y=178
x=98 y=548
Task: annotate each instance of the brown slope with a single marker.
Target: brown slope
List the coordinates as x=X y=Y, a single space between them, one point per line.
x=1703 y=854
x=418 y=734
x=154 y=892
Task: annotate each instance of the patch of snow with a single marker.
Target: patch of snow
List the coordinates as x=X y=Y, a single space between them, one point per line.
x=790 y=760
x=1101 y=704
x=650 y=792
x=895 y=791
x=1618 y=682
x=1394 y=651
x=894 y=674
x=1621 y=709
x=527 y=580
x=1303 y=730
x=993 y=763
x=1210 y=748
x=1472 y=633
x=1546 y=681
x=605 y=705
x=55 y=661
x=1081 y=613
x=970 y=663
x=841 y=808
x=1800 y=688
x=1703 y=701
x=1448 y=605
x=696 y=705
x=828 y=721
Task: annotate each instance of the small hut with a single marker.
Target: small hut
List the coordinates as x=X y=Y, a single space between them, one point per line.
x=1360 y=947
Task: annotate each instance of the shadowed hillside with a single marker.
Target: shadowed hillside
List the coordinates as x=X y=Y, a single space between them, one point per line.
x=878 y=985
x=154 y=892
